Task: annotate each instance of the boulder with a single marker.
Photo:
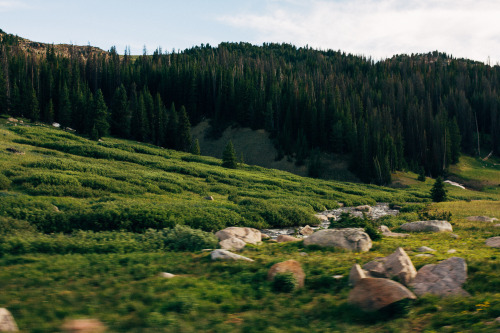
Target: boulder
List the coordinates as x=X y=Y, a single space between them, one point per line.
x=321 y=217
x=265 y=236
x=12 y=120
x=84 y=326
x=306 y=231
x=388 y=233
x=7 y=322
x=167 y=275
x=364 y=208
x=210 y=198
x=354 y=239
x=221 y=254
x=291 y=266
x=248 y=235
x=232 y=244
x=443 y=279
x=286 y=238
x=482 y=219
x=397 y=264
x=372 y=294
x=425 y=249
x=429 y=226
x=356 y=274
x=493 y=242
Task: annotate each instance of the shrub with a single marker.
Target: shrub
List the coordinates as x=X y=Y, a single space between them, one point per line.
x=4 y=182
x=184 y=238
x=284 y=282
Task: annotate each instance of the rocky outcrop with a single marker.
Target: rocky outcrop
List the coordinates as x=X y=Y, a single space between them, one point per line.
x=397 y=264
x=221 y=254
x=7 y=322
x=482 y=219
x=289 y=266
x=372 y=294
x=248 y=235
x=354 y=239
x=388 y=233
x=443 y=279
x=493 y=242
x=84 y=326
x=427 y=226
x=356 y=274
x=286 y=238
x=232 y=244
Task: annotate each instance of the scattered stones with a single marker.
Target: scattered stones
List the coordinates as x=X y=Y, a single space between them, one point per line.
x=286 y=238
x=248 y=235
x=388 y=233
x=221 y=254
x=372 y=294
x=84 y=326
x=493 y=242
x=291 y=266
x=232 y=244
x=354 y=239
x=356 y=274
x=364 y=208
x=443 y=279
x=482 y=219
x=427 y=226
x=397 y=264
x=7 y=322
x=321 y=217
x=425 y=249
x=167 y=275
x=15 y=151
x=306 y=231
x=450 y=251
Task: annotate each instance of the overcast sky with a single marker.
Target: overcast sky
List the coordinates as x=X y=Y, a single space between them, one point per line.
x=374 y=28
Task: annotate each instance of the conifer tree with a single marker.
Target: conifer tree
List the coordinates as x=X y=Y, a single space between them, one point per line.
x=455 y=139
x=101 y=123
x=3 y=93
x=50 y=112
x=438 y=192
x=120 y=113
x=64 y=113
x=172 y=127
x=32 y=108
x=184 y=131
x=195 y=149
x=229 y=156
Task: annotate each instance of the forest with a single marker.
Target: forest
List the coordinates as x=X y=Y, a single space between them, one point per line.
x=416 y=112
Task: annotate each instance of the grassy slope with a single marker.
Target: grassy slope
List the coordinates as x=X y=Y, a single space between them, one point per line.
x=123 y=289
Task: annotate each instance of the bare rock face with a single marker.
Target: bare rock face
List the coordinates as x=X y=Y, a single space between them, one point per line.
x=443 y=279
x=354 y=239
x=286 y=238
x=291 y=266
x=427 y=226
x=356 y=274
x=7 y=322
x=397 y=264
x=482 y=219
x=306 y=231
x=248 y=235
x=364 y=208
x=493 y=242
x=84 y=326
x=221 y=254
x=232 y=244
x=388 y=233
x=372 y=294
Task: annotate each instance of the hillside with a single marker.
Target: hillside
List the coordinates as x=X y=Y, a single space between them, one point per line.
x=81 y=237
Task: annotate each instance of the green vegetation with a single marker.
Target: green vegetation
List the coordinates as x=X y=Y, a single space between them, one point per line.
x=438 y=192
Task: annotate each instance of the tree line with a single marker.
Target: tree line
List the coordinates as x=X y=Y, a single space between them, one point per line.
x=411 y=111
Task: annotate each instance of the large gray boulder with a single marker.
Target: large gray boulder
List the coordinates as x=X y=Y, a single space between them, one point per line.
x=248 y=235
x=397 y=264
x=427 y=226
x=482 y=219
x=232 y=244
x=286 y=239
x=372 y=294
x=443 y=279
x=354 y=239
x=493 y=242
x=221 y=254
x=7 y=322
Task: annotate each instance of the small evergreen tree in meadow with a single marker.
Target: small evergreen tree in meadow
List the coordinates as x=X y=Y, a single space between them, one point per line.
x=229 y=156
x=195 y=149
x=438 y=192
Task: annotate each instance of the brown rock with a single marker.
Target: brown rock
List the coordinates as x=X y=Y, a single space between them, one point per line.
x=372 y=294
x=443 y=279
x=7 y=322
x=12 y=120
x=286 y=238
x=356 y=274
x=264 y=236
x=248 y=235
x=493 y=242
x=84 y=326
x=321 y=217
x=232 y=244
x=291 y=266
x=306 y=231
x=397 y=264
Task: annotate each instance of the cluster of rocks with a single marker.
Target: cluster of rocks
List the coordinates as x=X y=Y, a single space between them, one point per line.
x=374 y=289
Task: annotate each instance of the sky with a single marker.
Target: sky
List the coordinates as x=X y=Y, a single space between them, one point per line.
x=373 y=28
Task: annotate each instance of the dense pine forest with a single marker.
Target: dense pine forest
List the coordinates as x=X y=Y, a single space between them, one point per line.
x=417 y=112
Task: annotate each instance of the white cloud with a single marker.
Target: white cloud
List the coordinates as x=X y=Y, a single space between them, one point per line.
x=381 y=28
x=10 y=5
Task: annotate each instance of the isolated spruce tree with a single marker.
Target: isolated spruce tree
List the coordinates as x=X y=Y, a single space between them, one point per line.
x=438 y=192
x=184 y=131
x=229 y=156
x=195 y=149
x=100 y=115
